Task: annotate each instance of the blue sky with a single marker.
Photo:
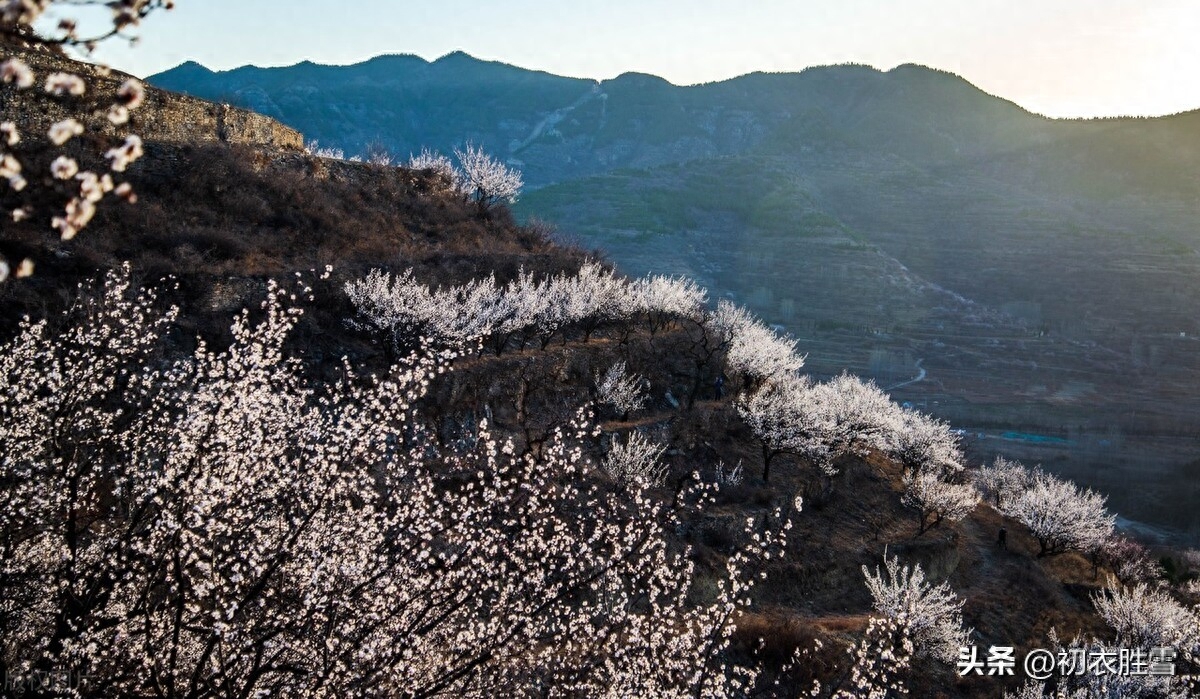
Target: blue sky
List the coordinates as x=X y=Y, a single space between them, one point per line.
x=1056 y=57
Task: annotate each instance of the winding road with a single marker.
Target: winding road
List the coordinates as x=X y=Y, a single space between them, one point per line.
x=921 y=373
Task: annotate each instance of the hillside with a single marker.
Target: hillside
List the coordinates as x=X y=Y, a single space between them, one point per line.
x=1037 y=273
x=218 y=222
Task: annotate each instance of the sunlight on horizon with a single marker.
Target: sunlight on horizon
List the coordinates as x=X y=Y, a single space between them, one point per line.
x=1072 y=58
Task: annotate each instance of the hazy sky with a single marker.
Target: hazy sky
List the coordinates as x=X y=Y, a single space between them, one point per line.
x=1057 y=57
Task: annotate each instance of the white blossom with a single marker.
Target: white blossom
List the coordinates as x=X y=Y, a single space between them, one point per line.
x=484 y=179
x=271 y=536
x=9 y=133
x=1003 y=481
x=932 y=613
x=636 y=462
x=786 y=419
x=935 y=499
x=131 y=93
x=125 y=154
x=63 y=84
x=441 y=167
x=1145 y=617
x=65 y=130
x=64 y=168
x=754 y=349
x=1061 y=516
x=619 y=389
x=16 y=72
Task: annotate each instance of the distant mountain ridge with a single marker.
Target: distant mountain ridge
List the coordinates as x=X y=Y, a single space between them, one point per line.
x=1041 y=271
x=560 y=128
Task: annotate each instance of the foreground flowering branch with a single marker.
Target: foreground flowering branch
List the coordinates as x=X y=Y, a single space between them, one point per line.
x=218 y=524
x=82 y=189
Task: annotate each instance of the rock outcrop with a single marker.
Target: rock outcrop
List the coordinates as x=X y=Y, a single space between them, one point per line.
x=166 y=117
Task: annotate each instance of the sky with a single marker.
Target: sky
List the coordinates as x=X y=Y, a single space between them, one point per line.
x=1063 y=58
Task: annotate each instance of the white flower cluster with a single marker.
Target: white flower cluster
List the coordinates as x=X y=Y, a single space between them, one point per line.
x=931 y=613
x=935 y=498
x=485 y=180
x=478 y=176
x=523 y=310
x=441 y=166
x=618 y=388
x=635 y=463
x=81 y=207
x=820 y=422
x=881 y=659
x=316 y=150
x=1146 y=617
x=753 y=349
x=787 y=420
x=1060 y=515
x=222 y=523
x=1003 y=481
x=1132 y=562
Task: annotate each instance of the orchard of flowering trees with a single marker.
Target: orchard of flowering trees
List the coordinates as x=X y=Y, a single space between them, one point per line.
x=1143 y=618
x=1060 y=515
x=220 y=525
x=523 y=311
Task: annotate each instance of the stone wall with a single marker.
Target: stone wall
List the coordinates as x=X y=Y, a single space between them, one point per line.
x=165 y=117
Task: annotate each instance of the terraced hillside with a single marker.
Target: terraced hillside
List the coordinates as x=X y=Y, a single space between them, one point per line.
x=1041 y=271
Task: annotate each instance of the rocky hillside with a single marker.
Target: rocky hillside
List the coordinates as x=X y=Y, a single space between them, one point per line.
x=1035 y=274
x=217 y=222
x=169 y=117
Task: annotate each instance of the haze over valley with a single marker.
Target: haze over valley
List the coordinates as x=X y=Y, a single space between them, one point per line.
x=1031 y=280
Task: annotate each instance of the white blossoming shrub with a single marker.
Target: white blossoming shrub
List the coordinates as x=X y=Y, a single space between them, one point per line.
x=222 y=525
x=1144 y=617
x=634 y=463
x=316 y=150
x=934 y=498
x=932 y=613
x=921 y=442
x=860 y=416
x=1003 y=481
x=617 y=388
x=1131 y=562
x=786 y=420
x=485 y=180
x=445 y=174
x=525 y=309
x=881 y=660
x=1061 y=515
x=753 y=349
x=664 y=300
